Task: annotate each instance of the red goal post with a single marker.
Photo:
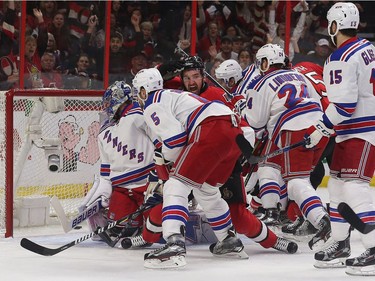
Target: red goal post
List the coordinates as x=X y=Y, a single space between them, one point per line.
x=48 y=147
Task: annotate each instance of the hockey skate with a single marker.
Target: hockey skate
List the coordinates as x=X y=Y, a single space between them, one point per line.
x=364 y=265
x=272 y=217
x=334 y=256
x=285 y=246
x=171 y=255
x=291 y=228
x=231 y=246
x=323 y=235
x=134 y=242
x=306 y=229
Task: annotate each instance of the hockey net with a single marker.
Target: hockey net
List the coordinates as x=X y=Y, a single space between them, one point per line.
x=48 y=147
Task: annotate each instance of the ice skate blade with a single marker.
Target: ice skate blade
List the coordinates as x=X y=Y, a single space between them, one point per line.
x=172 y=263
x=336 y=263
x=239 y=255
x=360 y=271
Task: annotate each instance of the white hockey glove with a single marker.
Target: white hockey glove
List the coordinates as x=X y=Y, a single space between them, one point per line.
x=315 y=133
x=154 y=192
x=100 y=190
x=161 y=165
x=239 y=103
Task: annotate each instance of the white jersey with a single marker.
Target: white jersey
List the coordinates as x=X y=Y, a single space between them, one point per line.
x=279 y=101
x=248 y=74
x=126 y=150
x=173 y=115
x=349 y=76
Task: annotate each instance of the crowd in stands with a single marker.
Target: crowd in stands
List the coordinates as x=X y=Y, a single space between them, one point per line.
x=65 y=40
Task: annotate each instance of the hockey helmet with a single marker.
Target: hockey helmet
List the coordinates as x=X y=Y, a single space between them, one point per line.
x=229 y=69
x=115 y=95
x=346 y=16
x=273 y=53
x=150 y=79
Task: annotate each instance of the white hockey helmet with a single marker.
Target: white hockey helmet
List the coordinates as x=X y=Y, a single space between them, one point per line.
x=229 y=69
x=150 y=79
x=346 y=16
x=273 y=53
x=114 y=96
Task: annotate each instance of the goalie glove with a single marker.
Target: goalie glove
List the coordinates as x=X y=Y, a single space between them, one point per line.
x=100 y=190
x=315 y=133
x=154 y=192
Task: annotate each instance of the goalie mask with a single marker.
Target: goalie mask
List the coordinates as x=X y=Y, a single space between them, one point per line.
x=149 y=79
x=272 y=53
x=115 y=95
x=346 y=16
x=229 y=69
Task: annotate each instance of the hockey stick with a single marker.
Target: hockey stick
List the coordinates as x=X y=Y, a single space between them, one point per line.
x=247 y=149
x=44 y=251
x=258 y=148
x=68 y=225
x=351 y=217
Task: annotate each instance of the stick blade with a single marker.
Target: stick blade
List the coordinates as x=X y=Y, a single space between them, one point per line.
x=351 y=217
x=36 y=248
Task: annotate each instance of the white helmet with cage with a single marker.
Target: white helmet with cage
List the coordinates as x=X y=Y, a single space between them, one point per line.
x=346 y=16
x=273 y=53
x=114 y=96
x=150 y=79
x=229 y=69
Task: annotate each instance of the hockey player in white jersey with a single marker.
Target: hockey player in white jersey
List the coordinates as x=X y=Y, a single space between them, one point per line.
x=126 y=147
x=349 y=75
x=198 y=137
x=278 y=101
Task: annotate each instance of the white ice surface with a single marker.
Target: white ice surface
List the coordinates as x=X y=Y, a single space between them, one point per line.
x=95 y=261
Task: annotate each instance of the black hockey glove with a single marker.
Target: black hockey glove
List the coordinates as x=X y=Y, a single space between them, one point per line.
x=171 y=68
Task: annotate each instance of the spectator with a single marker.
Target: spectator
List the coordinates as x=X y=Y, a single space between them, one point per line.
x=145 y=39
x=130 y=30
x=231 y=31
x=212 y=38
x=185 y=30
x=277 y=30
x=50 y=77
x=319 y=55
x=244 y=58
x=60 y=31
x=9 y=74
x=118 y=55
x=220 y=13
x=258 y=28
x=238 y=44
x=226 y=49
x=80 y=77
x=138 y=62
x=34 y=48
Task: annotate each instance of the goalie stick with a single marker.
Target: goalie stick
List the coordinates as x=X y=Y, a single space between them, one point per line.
x=68 y=225
x=247 y=149
x=44 y=251
x=353 y=219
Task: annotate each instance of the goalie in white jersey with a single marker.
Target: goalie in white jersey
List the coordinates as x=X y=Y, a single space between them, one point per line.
x=349 y=76
x=126 y=147
x=198 y=137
